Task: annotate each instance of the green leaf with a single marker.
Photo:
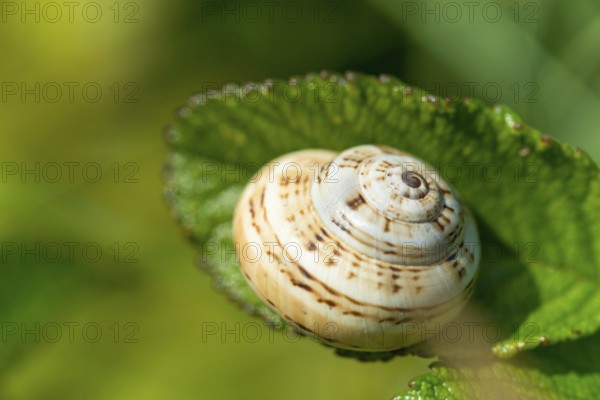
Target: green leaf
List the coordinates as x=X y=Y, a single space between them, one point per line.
x=500 y=381
x=536 y=201
x=562 y=372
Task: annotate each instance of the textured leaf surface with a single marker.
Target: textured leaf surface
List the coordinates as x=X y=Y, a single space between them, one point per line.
x=501 y=381
x=536 y=201
x=567 y=371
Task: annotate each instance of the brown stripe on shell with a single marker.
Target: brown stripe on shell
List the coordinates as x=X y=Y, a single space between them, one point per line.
x=353 y=166
x=328 y=302
x=303 y=286
x=354 y=313
x=356 y=202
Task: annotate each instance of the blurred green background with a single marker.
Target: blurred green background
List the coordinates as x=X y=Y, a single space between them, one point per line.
x=99 y=294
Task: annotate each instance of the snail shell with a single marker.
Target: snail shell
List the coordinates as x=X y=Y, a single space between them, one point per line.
x=368 y=249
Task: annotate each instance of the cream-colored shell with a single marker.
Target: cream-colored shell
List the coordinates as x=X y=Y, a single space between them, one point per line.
x=367 y=250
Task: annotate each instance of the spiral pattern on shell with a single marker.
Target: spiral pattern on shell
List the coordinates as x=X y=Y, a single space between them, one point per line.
x=368 y=249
